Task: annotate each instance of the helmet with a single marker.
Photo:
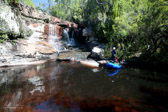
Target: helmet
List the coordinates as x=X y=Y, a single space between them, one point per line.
x=114 y=48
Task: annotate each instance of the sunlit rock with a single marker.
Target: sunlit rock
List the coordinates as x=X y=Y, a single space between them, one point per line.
x=12 y=23
x=41 y=32
x=96 y=54
x=90 y=63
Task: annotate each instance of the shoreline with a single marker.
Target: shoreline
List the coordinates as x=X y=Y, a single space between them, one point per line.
x=25 y=63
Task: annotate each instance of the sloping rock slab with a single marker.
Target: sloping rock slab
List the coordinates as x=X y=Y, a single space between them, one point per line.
x=22 y=63
x=45 y=48
x=89 y=63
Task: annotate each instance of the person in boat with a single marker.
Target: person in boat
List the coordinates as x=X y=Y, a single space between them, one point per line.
x=113 y=52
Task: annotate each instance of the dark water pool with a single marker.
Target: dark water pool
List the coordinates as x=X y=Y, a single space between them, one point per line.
x=71 y=87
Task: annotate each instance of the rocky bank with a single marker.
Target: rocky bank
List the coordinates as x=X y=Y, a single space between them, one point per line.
x=30 y=31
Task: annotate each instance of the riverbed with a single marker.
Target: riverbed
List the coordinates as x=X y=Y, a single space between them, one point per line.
x=72 y=87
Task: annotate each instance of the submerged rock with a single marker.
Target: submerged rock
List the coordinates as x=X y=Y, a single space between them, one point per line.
x=72 y=55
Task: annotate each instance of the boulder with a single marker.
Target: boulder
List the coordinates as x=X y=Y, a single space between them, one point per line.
x=89 y=63
x=96 y=54
x=96 y=50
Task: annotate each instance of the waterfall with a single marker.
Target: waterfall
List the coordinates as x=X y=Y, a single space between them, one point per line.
x=53 y=38
x=66 y=37
x=52 y=31
x=72 y=41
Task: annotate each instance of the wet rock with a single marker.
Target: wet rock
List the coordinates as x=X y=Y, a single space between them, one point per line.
x=58 y=31
x=44 y=48
x=72 y=55
x=65 y=57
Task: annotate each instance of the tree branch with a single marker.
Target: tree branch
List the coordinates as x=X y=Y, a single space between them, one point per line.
x=101 y=4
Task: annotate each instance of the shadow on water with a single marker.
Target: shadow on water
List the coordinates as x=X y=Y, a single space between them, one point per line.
x=71 y=87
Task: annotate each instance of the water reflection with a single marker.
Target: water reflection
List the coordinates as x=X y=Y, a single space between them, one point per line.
x=70 y=87
x=38 y=83
x=113 y=72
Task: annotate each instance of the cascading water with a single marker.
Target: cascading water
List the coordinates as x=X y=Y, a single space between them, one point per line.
x=67 y=40
x=66 y=37
x=72 y=41
x=53 y=38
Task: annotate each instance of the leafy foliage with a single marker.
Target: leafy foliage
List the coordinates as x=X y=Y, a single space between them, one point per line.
x=133 y=26
x=16 y=2
x=28 y=2
x=67 y=9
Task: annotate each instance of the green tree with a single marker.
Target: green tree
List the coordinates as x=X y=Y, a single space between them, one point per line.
x=68 y=9
x=16 y=2
x=133 y=26
x=28 y=2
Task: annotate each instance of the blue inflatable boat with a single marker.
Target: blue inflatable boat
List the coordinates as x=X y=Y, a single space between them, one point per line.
x=110 y=64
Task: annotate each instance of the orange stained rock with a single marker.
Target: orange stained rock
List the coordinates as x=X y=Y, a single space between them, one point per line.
x=58 y=31
x=45 y=47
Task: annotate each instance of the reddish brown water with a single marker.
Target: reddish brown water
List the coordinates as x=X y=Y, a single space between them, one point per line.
x=71 y=87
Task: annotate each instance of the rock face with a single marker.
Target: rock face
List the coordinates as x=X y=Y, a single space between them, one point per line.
x=33 y=13
x=12 y=23
x=58 y=31
x=38 y=28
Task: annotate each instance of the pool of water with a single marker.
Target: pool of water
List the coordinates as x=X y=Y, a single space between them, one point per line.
x=71 y=87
